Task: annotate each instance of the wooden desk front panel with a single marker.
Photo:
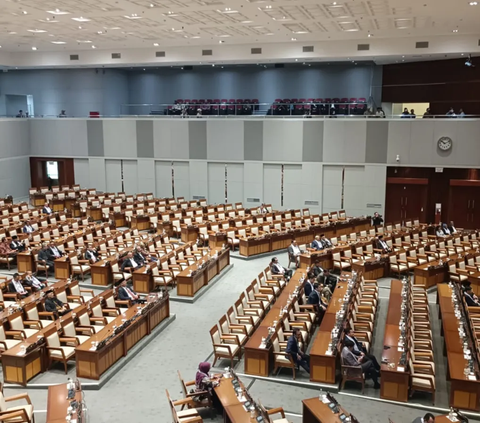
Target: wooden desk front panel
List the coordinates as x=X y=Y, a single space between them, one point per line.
x=252 y=247
x=92 y=364
x=187 y=286
x=140 y=222
x=257 y=361
x=101 y=275
x=281 y=242
x=143 y=282
x=20 y=369
x=135 y=333
x=224 y=260
x=394 y=386
x=62 y=268
x=210 y=272
x=158 y=315
x=25 y=262
x=189 y=234
x=95 y=213
x=464 y=394
x=323 y=368
x=217 y=241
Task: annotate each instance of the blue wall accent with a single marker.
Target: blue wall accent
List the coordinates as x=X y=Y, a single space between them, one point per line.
x=80 y=91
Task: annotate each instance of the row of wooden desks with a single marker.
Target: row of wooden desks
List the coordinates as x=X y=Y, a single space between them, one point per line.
x=258 y=360
x=92 y=363
x=194 y=278
x=464 y=392
x=323 y=365
x=395 y=378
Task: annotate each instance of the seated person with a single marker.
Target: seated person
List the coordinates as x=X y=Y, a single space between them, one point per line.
x=350 y=359
x=53 y=251
x=445 y=229
x=325 y=241
x=439 y=231
x=308 y=285
x=46 y=209
x=427 y=418
x=27 y=228
x=293 y=349
x=377 y=220
x=470 y=298
x=130 y=264
x=54 y=305
x=315 y=299
x=452 y=228
x=317 y=269
x=127 y=293
x=317 y=243
x=204 y=385
x=326 y=292
x=44 y=256
x=328 y=279
x=17 y=245
x=15 y=286
x=278 y=269
x=142 y=256
x=359 y=349
x=91 y=254
x=5 y=249
x=33 y=282
x=382 y=245
x=294 y=253
x=262 y=209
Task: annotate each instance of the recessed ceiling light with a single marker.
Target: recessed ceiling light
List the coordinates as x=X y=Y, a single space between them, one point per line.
x=462 y=54
x=296 y=60
x=133 y=16
x=151 y=5
x=12 y=32
x=58 y=12
x=79 y=27
x=24 y=12
x=34 y=48
x=294 y=39
x=58 y=42
x=155 y=44
x=99 y=32
x=196 y=36
x=455 y=30
x=37 y=31
x=94 y=47
x=83 y=41
x=334 y=3
x=369 y=35
x=246 y=22
x=473 y=3
x=81 y=19
x=301 y=32
x=213 y=65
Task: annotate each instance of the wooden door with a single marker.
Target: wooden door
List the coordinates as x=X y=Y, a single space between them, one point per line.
x=405 y=200
x=465 y=206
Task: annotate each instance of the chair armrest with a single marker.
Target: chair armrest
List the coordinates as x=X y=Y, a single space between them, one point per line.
x=32 y=323
x=99 y=319
x=57 y=349
x=69 y=339
x=46 y=314
x=278 y=410
x=88 y=291
x=83 y=329
x=14 y=333
x=76 y=298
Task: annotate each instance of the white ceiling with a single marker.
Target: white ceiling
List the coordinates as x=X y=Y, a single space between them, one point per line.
x=119 y=25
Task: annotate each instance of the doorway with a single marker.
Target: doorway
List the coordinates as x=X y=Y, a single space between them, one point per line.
x=48 y=172
x=406 y=199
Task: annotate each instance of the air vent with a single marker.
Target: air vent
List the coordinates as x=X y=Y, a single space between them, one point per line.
x=159 y=54
x=308 y=49
x=311 y=203
x=198 y=197
x=373 y=206
x=256 y=50
x=363 y=47
x=74 y=57
x=207 y=52
x=116 y=55
x=421 y=44
x=253 y=200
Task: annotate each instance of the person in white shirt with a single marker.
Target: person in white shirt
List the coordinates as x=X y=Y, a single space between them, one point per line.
x=317 y=243
x=278 y=269
x=294 y=253
x=33 y=282
x=15 y=286
x=127 y=293
x=439 y=232
x=452 y=228
x=129 y=264
x=27 y=228
x=54 y=251
x=46 y=209
x=263 y=209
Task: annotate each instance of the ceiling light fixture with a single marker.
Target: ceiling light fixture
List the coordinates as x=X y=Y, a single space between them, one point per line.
x=94 y=47
x=473 y=3
x=81 y=19
x=370 y=35
x=36 y=31
x=34 y=48
x=58 y=12
x=133 y=16
x=155 y=44
x=24 y=12
x=83 y=41
x=58 y=42
x=294 y=39
x=455 y=30
x=151 y=5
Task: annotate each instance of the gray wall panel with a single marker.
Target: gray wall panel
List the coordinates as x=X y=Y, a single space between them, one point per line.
x=95 y=137
x=253 y=140
x=377 y=141
x=145 y=138
x=197 y=132
x=312 y=141
x=120 y=138
x=225 y=140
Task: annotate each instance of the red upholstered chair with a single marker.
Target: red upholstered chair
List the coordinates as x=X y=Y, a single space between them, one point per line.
x=328 y=100
x=362 y=100
x=344 y=100
x=318 y=100
x=336 y=100
x=310 y=100
x=186 y=101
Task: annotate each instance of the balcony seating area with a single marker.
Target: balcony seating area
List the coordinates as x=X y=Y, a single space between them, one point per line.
x=214 y=106
x=319 y=106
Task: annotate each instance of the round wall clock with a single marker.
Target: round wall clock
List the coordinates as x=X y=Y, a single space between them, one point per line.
x=445 y=143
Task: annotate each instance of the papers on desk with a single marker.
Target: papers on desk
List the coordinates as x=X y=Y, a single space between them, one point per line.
x=400 y=349
x=21 y=353
x=325 y=400
x=452 y=418
x=472 y=377
x=242 y=399
x=262 y=345
x=93 y=348
x=400 y=369
x=328 y=352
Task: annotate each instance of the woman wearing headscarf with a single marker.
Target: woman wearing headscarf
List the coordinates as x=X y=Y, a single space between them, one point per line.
x=204 y=385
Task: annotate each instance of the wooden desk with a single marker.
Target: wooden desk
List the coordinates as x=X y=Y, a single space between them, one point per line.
x=430 y=274
x=101 y=272
x=143 y=280
x=394 y=382
x=323 y=367
x=464 y=393
x=141 y=222
x=371 y=269
x=217 y=240
x=94 y=212
x=118 y=219
x=189 y=233
x=58 y=205
x=62 y=267
x=192 y=279
x=315 y=411
x=25 y=262
x=37 y=200
x=57 y=403
x=258 y=361
x=92 y=364
x=253 y=246
x=324 y=257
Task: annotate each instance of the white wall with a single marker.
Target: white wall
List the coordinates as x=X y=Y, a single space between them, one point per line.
x=163 y=179
x=216 y=183
x=113 y=175
x=130 y=177
x=235 y=182
x=272 y=186
x=332 y=188
x=292 y=187
x=182 y=179
x=82 y=172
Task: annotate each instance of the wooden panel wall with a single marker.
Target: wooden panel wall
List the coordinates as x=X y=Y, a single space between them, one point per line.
x=38 y=171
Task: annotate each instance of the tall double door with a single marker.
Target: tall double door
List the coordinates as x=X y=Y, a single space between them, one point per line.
x=405 y=201
x=465 y=206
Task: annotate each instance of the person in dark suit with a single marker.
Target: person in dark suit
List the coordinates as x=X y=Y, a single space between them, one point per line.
x=377 y=220
x=54 y=305
x=54 y=252
x=91 y=255
x=44 y=255
x=452 y=228
x=27 y=228
x=325 y=241
x=316 y=270
x=382 y=245
x=298 y=357
x=127 y=293
x=317 y=244
x=130 y=264
x=359 y=349
x=315 y=299
x=17 y=245
x=470 y=297
x=350 y=359
x=328 y=279
x=427 y=418
x=15 y=286
x=46 y=209
x=308 y=287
